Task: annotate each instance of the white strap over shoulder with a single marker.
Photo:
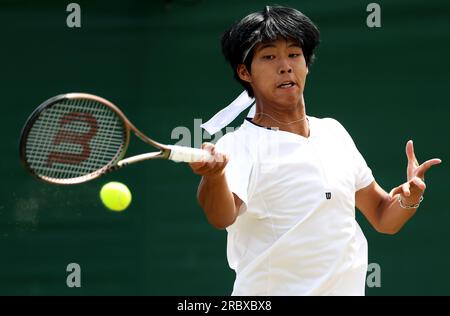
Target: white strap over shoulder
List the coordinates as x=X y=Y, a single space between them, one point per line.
x=229 y=113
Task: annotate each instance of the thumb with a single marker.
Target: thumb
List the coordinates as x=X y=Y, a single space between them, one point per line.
x=396 y=190
x=209 y=147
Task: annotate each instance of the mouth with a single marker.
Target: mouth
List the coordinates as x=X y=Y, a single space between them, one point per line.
x=287 y=84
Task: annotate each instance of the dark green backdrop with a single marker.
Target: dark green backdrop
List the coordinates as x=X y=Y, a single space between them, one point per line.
x=161 y=63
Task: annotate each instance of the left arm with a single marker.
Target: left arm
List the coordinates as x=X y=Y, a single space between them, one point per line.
x=383 y=210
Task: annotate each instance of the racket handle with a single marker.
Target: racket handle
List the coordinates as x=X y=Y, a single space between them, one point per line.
x=187 y=154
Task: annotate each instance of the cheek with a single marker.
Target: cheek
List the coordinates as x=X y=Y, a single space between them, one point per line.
x=264 y=81
x=301 y=71
x=262 y=76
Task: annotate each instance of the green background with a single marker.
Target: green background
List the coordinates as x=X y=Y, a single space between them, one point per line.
x=160 y=61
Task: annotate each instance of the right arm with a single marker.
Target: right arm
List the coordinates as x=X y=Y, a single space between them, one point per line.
x=220 y=205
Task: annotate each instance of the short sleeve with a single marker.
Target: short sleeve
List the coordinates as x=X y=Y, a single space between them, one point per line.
x=238 y=169
x=363 y=174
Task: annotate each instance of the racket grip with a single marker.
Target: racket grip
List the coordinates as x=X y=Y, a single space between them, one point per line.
x=187 y=154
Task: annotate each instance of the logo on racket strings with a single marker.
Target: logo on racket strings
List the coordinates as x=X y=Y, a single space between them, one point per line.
x=73 y=137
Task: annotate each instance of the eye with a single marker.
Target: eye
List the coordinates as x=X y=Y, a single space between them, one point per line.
x=268 y=57
x=294 y=55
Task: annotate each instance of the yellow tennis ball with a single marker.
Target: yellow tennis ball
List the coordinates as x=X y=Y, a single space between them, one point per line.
x=115 y=196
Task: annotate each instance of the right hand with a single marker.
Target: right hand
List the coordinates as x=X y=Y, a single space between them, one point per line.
x=213 y=167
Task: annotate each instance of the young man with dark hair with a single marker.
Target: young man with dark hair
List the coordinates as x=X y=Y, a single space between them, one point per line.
x=285 y=184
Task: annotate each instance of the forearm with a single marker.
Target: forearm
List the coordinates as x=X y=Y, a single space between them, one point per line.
x=392 y=216
x=385 y=212
x=217 y=201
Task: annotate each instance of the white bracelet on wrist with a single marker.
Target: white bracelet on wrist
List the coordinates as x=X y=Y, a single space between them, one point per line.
x=409 y=206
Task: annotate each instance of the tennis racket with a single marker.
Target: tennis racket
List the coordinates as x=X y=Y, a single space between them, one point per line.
x=76 y=137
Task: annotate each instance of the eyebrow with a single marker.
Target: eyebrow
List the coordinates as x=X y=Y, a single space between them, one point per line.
x=290 y=44
x=266 y=46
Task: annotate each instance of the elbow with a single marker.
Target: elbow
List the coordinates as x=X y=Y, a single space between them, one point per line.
x=388 y=230
x=218 y=226
x=216 y=219
x=221 y=224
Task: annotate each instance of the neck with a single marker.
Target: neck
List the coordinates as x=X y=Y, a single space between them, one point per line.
x=289 y=118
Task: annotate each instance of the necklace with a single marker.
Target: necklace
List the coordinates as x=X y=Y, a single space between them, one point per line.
x=284 y=123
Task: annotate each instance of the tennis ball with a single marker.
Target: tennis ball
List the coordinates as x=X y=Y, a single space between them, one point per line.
x=115 y=196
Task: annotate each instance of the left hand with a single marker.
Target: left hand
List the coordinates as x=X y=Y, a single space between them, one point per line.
x=413 y=189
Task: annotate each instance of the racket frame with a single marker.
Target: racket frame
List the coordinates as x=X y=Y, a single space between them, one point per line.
x=119 y=162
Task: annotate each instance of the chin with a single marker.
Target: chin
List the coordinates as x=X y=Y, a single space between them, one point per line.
x=289 y=99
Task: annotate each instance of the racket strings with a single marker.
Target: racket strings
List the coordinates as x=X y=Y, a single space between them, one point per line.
x=73 y=138
x=72 y=164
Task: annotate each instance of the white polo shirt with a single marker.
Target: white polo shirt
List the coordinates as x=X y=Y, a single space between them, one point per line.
x=296 y=232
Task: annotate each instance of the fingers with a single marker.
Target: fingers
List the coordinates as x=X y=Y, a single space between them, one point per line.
x=197 y=165
x=420 y=172
x=216 y=156
x=397 y=190
x=410 y=153
x=405 y=189
x=412 y=189
x=419 y=183
x=214 y=166
x=207 y=168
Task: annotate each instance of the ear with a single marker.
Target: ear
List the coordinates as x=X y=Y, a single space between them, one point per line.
x=243 y=73
x=307 y=70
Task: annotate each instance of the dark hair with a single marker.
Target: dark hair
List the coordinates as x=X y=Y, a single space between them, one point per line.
x=268 y=25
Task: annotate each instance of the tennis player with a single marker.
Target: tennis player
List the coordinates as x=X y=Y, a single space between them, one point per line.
x=285 y=184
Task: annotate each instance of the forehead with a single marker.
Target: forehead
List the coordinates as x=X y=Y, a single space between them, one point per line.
x=290 y=42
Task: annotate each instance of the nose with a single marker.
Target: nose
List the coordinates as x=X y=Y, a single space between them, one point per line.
x=285 y=67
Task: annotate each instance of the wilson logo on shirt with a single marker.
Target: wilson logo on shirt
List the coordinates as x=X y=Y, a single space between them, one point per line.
x=328 y=195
